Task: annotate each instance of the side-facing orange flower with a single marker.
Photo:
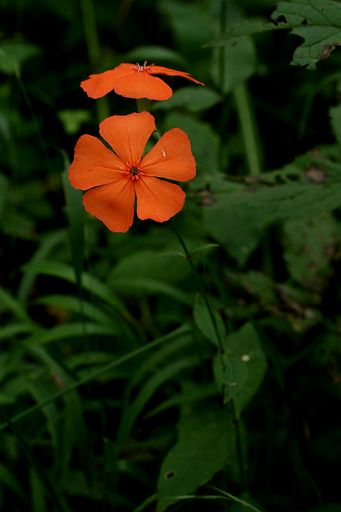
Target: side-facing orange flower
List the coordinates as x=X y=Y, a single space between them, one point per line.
x=133 y=81
x=114 y=179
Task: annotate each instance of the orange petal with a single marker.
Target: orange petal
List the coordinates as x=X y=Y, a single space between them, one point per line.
x=128 y=135
x=128 y=81
x=157 y=199
x=171 y=157
x=160 y=70
x=93 y=164
x=113 y=204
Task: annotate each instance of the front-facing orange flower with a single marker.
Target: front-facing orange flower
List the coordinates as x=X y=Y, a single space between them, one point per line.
x=133 y=81
x=115 y=179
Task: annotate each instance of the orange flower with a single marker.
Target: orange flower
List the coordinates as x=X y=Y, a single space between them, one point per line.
x=114 y=179
x=133 y=81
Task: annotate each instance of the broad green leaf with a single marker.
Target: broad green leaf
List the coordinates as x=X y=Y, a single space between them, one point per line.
x=241 y=369
x=205 y=446
x=149 y=264
x=191 y=24
x=14 y=54
x=241 y=29
x=204 y=140
x=73 y=119
x=237 y=219
x=318 y=22
x=209 y=320
x=155 y=55
x=240 y=63
x=309 y=246
x=193 y=99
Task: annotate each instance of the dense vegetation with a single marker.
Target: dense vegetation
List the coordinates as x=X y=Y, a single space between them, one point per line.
x=194 y=364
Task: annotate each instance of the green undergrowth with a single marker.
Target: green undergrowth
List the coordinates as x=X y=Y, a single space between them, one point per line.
x=138 y=373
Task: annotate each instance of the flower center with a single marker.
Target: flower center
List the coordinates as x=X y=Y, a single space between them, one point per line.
x=142 y=67
x=135 y=173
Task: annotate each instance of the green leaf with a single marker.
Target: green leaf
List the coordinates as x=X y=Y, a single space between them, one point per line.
x=14 y=54
x=241 y=29
x=318 y=22
x=204 y=321
x=237 y=218
x=205 y=446
x=72 y=119
x=241 y=369
x=240 y=63
x=90 y=283
x=71 y=330
x=193 y=99
x=204 y=140
x=309 y=246
x=146 y=392
x=155 y=55
x=191 y=24
x=9 y=303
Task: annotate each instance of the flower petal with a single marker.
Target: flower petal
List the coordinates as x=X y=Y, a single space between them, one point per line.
x=128 y=81
x=140 y=84
x=171 y=157
x=157 y=199
x=98 y=85
x=93 y=164
x=160 y=70
x=113 y=204
x=128 y=135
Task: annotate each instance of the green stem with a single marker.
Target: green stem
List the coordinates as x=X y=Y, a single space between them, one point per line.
x=94 y=49
x=223 y=9
x=200 y=285
x=248 y=129
x=143 y=105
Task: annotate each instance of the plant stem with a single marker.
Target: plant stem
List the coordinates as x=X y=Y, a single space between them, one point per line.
x=94 y=49
x=248 y=129
x=200 y=284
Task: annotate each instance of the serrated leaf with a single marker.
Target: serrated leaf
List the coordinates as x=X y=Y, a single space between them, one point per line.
x=237 y=218
x=318 y=22
x=240 y=370
x=205 y=446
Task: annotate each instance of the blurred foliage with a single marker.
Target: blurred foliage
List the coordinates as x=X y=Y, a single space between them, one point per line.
x=135 y=376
